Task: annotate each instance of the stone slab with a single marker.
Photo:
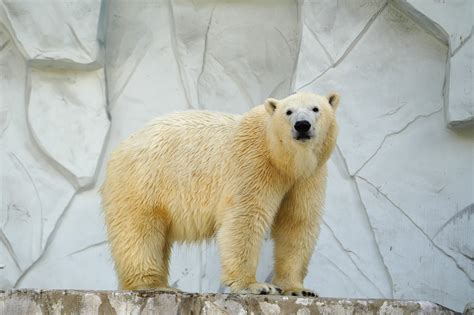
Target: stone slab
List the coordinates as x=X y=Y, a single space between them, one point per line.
x=152 y=302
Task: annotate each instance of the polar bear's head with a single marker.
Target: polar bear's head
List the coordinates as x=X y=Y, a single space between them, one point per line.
x=302 y=117
x=304 y=126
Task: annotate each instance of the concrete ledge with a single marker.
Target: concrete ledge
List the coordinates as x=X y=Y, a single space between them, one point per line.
x=155 y=302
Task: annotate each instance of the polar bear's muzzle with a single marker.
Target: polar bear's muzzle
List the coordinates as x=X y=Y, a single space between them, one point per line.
x=302 y=130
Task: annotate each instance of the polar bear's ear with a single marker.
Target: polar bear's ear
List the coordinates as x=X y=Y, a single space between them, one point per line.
x=333 y=99
x=271 y=105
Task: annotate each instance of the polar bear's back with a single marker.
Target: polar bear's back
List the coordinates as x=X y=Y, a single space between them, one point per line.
x=185 y=132
x=188 y=137
x=196 y=119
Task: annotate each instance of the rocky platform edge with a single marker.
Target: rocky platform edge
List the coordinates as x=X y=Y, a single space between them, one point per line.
x=30 y=301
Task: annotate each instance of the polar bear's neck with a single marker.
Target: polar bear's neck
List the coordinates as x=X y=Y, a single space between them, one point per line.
x=292 y=159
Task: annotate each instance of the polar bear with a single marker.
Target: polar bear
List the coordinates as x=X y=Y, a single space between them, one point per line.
x=193 y=175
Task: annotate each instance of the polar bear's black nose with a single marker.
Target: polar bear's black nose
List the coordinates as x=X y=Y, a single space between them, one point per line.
x=302 y=126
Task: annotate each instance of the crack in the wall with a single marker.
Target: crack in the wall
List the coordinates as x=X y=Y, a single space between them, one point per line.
x=299 y=20
x=366 y=216
x=13 y=156
x=315 y=78
x=101 y=155
x=103 y=22
x=4 y=45
x=393 y=111
x=36 y=143
x=463 y=42
x=174 y=48
x=238 y=82
x=338 y=241
x=290 y=49
x=284 y=38
x=403 y=212
x=445 y=87
x=458 y=250
x=141 y=56
x=351 y=46
x=98 y=244
x=359 y=37
x=466 y=256
x=6 y=242
x=49 y=240
x=7 y=219
x=107 y=100
x=280 y=84
x=348 y=253
x=332 y=263
x=79 y=43
x=393 y=133
x=316 y=37
x=469 y=210
x=204 y=57
x=7 y=24
x=103 y=27
x=4 y=121
x=387 y=270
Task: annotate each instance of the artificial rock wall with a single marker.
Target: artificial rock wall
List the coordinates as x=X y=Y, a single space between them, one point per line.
x=77 y=77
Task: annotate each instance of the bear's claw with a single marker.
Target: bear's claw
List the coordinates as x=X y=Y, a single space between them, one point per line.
x=301 y=292
x=261 y=288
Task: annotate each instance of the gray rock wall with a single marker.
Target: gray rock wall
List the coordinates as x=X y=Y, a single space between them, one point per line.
x=79 y=76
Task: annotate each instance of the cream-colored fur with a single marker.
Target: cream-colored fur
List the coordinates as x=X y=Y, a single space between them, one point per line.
x=194 y=175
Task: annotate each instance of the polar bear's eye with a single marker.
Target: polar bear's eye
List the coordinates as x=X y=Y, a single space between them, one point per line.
x=315 y=109
x=289 y=112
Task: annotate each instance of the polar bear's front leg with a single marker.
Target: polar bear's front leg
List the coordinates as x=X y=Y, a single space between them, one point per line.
x=295 y=231
x=239 y=239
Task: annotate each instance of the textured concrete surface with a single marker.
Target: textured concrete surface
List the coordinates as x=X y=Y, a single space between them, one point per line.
x=453 y=23
x=150 y=302
x=60 y=34
x=76 y=77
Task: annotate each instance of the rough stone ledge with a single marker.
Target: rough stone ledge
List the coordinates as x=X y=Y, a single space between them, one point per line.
x=155 y=302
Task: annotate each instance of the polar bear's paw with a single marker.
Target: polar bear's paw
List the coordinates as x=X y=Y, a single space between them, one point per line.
x=260 y=288
x=300 y=292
